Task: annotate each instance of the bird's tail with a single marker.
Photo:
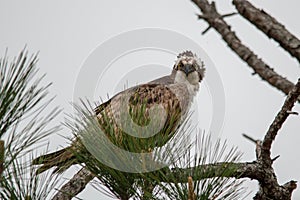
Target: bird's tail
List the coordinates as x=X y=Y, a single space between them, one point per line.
x=61 y=160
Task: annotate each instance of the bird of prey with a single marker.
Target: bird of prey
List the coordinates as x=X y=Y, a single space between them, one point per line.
x=173 y=94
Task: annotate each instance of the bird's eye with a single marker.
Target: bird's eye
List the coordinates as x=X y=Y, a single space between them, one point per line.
x=179 y=66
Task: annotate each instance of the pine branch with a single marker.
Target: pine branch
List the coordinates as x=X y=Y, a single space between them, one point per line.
x=270 y=26
x=240 y=170
x=75 y=185
x=176 y=175
x=120 y=183
x=216 y=21
x=260 y=170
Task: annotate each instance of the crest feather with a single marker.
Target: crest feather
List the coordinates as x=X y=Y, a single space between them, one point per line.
x=186 y=53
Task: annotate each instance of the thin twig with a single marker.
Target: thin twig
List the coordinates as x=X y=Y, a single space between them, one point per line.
x=249 y=138
x=275 y=158
x=292 y=113
x=228 y=15
x=270 y=26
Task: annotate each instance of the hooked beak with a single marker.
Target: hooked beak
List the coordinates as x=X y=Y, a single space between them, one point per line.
x=188 y=69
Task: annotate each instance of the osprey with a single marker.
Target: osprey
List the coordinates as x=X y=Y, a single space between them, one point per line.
x=172 y=94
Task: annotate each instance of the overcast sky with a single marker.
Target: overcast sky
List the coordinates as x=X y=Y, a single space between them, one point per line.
x=68 y=32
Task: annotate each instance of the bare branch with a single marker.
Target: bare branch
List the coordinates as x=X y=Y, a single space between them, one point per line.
x=270 y=26
x=75 y=185
x=277 y=123
x=215 y=20
x=241 y=170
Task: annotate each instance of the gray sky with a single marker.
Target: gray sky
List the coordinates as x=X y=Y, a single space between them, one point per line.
x=67 y=32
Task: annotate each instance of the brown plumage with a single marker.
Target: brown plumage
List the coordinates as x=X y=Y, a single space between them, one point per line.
x=173 y=93
x=140 y=101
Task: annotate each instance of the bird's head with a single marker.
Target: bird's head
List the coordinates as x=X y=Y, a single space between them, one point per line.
x=188 y=68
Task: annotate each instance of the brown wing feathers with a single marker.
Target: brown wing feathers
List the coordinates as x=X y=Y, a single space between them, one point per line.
x=144 y=95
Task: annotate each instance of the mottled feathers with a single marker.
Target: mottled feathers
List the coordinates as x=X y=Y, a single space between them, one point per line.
x=161 y=104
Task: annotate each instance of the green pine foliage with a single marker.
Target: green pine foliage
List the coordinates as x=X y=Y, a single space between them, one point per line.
x=23 y=125
x=126 y=176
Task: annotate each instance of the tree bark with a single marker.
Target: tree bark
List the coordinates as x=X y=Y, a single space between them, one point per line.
x=270 y=26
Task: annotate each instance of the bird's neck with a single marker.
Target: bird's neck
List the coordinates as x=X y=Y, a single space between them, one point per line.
x=192 y=88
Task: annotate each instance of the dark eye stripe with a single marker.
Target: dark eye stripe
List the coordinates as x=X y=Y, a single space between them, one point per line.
x=180 y=65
